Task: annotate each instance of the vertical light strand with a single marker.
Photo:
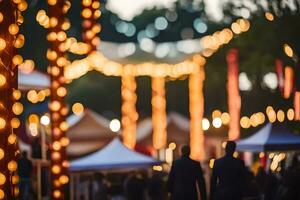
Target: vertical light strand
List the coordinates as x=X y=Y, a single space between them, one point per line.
x=91 y=28
x=57 y=36
x=288 y=81
x=10 y=41
x=234 y=99
x=279 y=72
x=129 y=113
x=159 y=116
x=196 y=107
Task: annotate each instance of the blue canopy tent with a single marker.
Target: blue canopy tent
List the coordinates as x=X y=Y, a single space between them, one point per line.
x=272 y=137
x=113 y=156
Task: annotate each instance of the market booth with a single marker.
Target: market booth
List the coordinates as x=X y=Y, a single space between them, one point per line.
x=87 y=132
x=273 y=144
x=113 y=158
x=272 y=137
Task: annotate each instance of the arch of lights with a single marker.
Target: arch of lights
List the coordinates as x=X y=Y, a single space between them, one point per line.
x=62 y=70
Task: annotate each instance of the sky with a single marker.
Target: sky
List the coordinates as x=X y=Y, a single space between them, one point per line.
x=127 y=9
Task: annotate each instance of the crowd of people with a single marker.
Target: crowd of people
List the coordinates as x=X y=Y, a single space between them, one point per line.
x=230 y=180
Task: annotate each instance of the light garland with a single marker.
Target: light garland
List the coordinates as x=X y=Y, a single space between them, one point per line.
x=234 y=98
x=10 y=108
x=91 y=28
x=211 y=43
x=159 y=116
x=34 y=96
x=196 y=99
x=256 y=119
x=129 y=113
x=57 y=60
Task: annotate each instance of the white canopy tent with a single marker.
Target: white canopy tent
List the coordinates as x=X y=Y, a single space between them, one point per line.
x=87 y=132
x=113 y=156
x=33 y=80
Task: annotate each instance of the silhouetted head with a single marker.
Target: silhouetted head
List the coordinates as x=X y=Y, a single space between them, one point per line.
x=24 y=154
x=185 y=151
x=230 y=147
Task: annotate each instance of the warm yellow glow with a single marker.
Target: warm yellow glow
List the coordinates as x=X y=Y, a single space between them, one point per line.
x=159 y=117
x=13 y=29
x=225 y=117
x=64 y=141
x=27 y=66
x=56 y=145
x=196 y=108
x=15 y=179
x=66 y=164
x=15 y=123
x=129 y=113
x=52 y=2
x=33 y=118
x=1 y=17
x=56 y=169
x=55 y=105
x=86 y=13
x=280 y=115
x=216 y=113
x=288 y=81
x=86 y=2
x=290 y=114
x=12 y=166
x=63 y=179
x=12 y=138
x=2 y=44
x=1 y=153
x=288 y=50
x=19 y=42
x=99 y=62
x=56 y=194
x=77 y=108
x=172 y=145
x=211 y=163
x=17 y=108
x=2 y=179
x=2 y=123
x=157 y=168
x=2 y=194
x=22 y=6
x=269 y=16
x=17 y=94
x=2 y=80
x=17 y=60
x=245 y=122
x=64 y=126
x=61 y=91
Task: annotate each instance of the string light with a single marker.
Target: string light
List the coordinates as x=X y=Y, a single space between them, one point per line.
x=57 y=26
x=10 y=41
x=97 y=61
x=196 y=108
x=159 y=116
x=129 y=113
x=234 y=99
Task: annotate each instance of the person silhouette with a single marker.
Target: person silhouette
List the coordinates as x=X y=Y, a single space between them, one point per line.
x=24 y=172
x=184 y=178
x=227 y=176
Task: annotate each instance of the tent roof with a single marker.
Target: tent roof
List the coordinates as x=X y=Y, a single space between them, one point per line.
x=272 y=137
x=33 y=80
x=113 y=156
x=88 y=132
